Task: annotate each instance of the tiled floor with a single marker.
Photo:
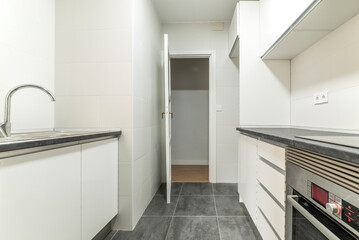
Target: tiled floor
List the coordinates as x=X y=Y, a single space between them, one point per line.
x=197 y=211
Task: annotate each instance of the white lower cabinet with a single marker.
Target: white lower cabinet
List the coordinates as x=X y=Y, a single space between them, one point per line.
x=246 y=173
x=99 y=185
x=67 y=193
x=261 y=185
x=40 y=195
x=264 y=228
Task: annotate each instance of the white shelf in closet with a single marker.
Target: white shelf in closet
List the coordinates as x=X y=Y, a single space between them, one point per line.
x=318 y=20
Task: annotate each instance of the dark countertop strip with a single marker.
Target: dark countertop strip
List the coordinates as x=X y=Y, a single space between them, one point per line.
x=287 y=137
x=75 y=139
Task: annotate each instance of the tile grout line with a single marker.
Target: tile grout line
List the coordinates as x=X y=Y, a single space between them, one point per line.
x=215 y=207
x=169 y=227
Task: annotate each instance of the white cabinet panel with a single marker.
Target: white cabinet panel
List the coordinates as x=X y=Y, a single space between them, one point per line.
x=274 y=213
x=264 y=229
x=233 y=34
x=99 y=185
x=246 y=173
x=272 y=153
x=273 y=180
x=40 y=195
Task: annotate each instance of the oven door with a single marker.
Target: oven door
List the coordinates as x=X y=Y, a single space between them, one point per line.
x=304 y=221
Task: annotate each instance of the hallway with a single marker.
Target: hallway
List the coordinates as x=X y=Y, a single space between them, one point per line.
x=198 y=211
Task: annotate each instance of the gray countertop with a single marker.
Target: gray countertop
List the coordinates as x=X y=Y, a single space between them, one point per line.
x=51 y=139
x=286 y=136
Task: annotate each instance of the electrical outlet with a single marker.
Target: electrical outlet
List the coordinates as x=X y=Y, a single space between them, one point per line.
x=320 y=98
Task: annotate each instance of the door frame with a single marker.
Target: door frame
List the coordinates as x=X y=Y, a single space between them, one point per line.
x=212 y=145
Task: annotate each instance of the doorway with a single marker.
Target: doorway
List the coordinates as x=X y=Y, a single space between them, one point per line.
x=190 y=125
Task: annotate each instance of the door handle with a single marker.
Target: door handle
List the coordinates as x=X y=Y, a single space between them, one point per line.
x=324 y=230
x=163 y=113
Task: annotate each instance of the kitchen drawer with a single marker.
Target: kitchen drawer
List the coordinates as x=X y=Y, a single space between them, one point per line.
x=272 y=178
x=264 y=229
x=273 y=212
x=272 y=153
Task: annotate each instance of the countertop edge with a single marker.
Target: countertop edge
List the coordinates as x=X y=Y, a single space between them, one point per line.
x=339 y=152
x=63 y=140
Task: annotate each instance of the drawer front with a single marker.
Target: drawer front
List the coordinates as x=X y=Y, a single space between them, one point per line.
x=273 y=212
x=264 y=228
x=272 y=153
x=271 y=178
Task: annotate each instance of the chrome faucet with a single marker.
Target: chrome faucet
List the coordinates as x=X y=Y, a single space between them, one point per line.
x=5 y=128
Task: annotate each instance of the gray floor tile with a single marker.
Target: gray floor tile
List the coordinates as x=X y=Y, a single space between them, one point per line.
x=110 y=235
x=197 y=189
x=175 y=189
x=236 y=228
x=195 y=206
x=228 y=189
x=193 y=228
x=159 y=207
x=148 y=228
x=229 y=206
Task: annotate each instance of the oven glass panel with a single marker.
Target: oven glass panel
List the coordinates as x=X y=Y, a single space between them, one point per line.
x=319 y=195
x=302 y=229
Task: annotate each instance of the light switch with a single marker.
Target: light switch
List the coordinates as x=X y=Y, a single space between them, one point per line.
x=219 y=108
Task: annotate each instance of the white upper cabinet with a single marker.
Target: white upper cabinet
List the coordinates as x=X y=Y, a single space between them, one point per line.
x=316 y=21
x=233 y=34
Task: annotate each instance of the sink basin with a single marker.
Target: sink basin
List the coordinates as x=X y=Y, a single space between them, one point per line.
x=40 y=135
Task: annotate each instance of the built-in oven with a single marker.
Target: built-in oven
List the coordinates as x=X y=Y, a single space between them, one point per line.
x=322 y=197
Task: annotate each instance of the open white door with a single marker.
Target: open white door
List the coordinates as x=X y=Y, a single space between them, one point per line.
x=167 y=113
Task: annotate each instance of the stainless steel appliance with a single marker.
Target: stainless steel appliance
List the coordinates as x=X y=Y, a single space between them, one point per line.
x=322 y=197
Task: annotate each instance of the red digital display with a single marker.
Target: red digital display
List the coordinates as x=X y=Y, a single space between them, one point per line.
x=319 y=195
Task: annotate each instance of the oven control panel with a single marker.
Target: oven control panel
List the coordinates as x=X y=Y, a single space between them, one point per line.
x=350 y=215
x=334 y=205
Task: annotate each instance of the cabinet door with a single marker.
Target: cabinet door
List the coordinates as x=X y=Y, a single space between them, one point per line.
x=99 y=185
x=40 y=195
x=246 y=173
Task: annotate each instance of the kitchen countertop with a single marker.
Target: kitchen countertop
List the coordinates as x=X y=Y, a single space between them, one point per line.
x=286 y=136
x=33 y=142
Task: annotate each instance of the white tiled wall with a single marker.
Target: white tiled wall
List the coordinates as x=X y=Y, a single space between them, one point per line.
x=93 y=79
x=199 y=36
x=329 y=65
x=147 y=92
x=26 y=56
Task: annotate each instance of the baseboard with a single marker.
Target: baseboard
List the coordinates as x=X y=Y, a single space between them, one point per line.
x=190 y=162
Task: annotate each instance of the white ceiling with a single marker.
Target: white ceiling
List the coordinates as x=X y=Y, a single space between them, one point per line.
x=195 y=10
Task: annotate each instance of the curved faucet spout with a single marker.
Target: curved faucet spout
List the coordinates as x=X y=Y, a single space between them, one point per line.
x=5 y=128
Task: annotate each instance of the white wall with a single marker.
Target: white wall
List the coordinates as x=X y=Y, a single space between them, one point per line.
x=26 y=56
x=147 y=92
x=190 y=105
x=190 y=127
x=329 y=65
x=199 y=36
x=94 y=79
x=264 y=85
